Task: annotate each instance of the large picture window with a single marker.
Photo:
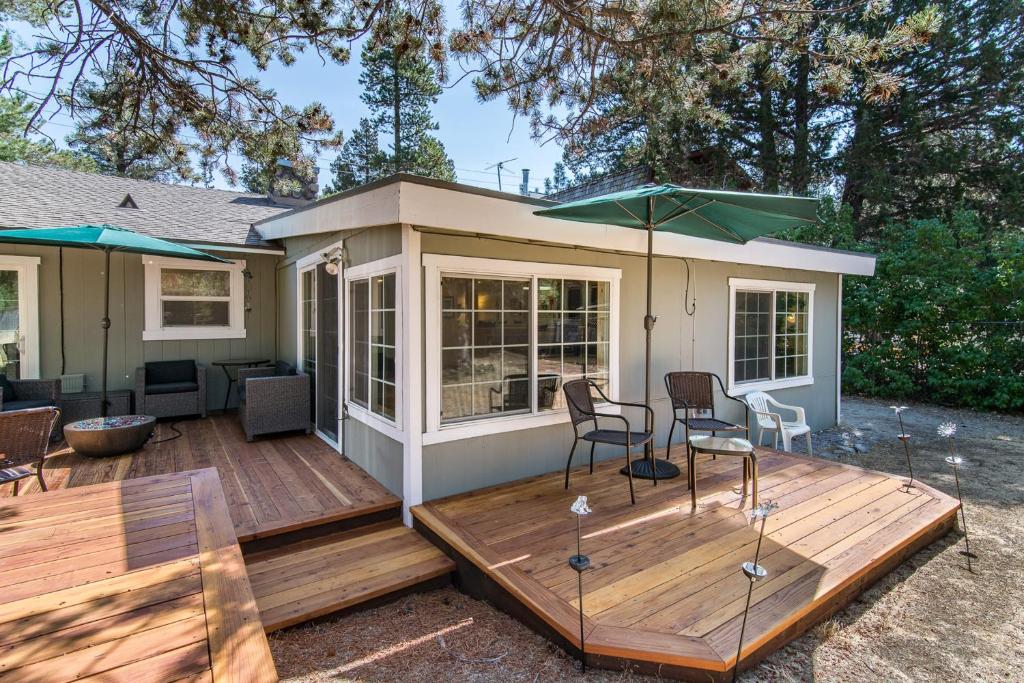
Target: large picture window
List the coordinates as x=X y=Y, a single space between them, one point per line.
x=373 y=344
x=770 y=345
x=193 y=300
x=503 y=336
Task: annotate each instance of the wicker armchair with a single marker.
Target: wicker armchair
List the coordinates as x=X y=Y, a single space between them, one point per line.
x=171 y=389
x=274 y=399
x=31 y=393
x=24 y=437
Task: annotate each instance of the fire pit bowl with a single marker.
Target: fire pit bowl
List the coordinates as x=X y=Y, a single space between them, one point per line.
x=103 y=436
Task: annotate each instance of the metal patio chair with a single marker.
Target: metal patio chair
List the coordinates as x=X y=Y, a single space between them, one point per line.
x=694 y=391
x=582 y=409
x=24 y=439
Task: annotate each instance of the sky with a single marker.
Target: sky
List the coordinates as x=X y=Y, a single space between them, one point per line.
x=475 y=135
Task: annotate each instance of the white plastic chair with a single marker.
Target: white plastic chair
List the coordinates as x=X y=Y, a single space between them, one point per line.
x=771 y=421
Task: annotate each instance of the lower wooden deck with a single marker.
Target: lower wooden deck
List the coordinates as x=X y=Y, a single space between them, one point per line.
x=135 y=581
x=665 y=591
x=274 y=485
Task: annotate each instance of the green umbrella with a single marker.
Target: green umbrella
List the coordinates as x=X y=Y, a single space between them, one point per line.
x=107 y=239
x=712 y=214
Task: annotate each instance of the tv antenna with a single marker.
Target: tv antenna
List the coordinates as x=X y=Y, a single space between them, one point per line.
x=500 y=166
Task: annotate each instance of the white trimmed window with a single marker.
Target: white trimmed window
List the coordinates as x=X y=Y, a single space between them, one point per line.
x=193 y=299
x=373 y=339
x=770 y=334
x=503 y=336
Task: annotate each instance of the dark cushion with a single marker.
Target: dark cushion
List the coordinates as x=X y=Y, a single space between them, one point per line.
x=26 y=404
x=6 y=389
x=171 y=388
x=283 y=369
x=166 y=371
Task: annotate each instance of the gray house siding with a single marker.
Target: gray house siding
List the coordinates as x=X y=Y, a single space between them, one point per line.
x=83 y=308
x=680 y=342
x=378 y=454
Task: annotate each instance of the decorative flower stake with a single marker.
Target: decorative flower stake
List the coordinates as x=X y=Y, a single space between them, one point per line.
x=947 y=430
x=905 y=438
x=580 y=563
x=754 y=572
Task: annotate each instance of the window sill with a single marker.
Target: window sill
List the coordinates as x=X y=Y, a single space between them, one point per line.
x=769 y=385
x=501 y=425
x=183 y=333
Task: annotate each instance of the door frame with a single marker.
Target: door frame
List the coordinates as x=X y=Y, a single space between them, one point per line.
x=27 y=268
x=304 y=265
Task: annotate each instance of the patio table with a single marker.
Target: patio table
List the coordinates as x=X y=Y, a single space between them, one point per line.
x=721 y=445
x=236 y=363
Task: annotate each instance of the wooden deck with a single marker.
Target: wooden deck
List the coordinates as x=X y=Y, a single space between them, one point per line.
x=665 y=592
x=340 y=571
x=274 y=485
x=138 y=580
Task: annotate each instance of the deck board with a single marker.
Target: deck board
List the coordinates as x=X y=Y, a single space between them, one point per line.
x=88 y=594
x=665 y=590
x=272 y=486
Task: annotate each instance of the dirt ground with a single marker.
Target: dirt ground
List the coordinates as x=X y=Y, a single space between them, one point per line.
x=930 y=620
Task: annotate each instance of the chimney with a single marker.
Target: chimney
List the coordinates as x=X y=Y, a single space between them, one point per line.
x=294 y=185
x=524 y=187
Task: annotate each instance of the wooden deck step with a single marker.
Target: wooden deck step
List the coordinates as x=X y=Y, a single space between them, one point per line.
x=302 y=581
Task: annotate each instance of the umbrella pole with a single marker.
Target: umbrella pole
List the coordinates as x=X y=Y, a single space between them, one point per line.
x=649 y=321
x=105 y=324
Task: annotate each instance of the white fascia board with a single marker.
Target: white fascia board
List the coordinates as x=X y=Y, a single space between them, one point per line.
x=434 y=207
x=378 y=206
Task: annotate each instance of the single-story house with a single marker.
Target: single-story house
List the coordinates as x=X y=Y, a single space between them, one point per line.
x=437 y=319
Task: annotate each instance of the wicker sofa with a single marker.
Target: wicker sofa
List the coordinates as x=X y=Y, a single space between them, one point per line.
x=273 y=399
x=20 y=394
x=172 y=388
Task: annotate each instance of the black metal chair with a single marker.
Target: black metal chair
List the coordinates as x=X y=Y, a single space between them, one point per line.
x=694 y=391
x=581 y=410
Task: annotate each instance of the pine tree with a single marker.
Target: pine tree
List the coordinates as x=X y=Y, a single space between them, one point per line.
x=16 y=146
x=399 y=87
x=361 y=160
x=128 y=141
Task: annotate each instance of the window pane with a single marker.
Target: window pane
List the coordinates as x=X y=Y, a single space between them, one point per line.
x=181 y=282
x=517 y=295
x=485 y=346
x=573 y=339
x=752 y=336
x=574 y=295
x=456 y=402
x=359 y=347
x=455 y=330
x=549 y=295
x=380 y=320
x=487 y=295
x=792 y=319
x=486 y=329
x=549 y=328
x=456 y=293
x=599 y=298
x=196 y=313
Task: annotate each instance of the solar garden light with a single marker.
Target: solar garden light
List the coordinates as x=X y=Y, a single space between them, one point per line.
x=754 y=572
x=947 y=430
x=905 y=438
x=580 y=563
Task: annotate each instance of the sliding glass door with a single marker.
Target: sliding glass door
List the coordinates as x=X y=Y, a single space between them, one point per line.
x=320 y=346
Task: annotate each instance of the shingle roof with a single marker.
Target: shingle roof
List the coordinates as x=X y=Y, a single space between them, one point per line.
x=41 y=197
